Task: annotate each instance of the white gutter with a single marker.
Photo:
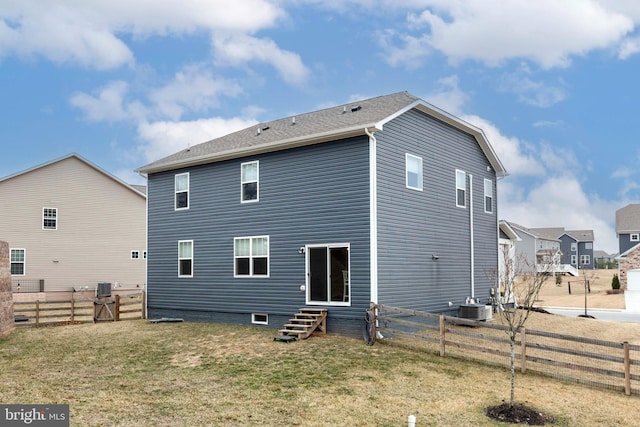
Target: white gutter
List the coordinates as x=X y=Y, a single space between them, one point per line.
x=471 y=237
x=373 y=216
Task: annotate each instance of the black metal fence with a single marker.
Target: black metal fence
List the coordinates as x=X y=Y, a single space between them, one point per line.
x=27 y=285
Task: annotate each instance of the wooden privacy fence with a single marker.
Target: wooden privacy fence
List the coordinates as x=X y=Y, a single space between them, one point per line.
x=588 y=361
x=44 y=313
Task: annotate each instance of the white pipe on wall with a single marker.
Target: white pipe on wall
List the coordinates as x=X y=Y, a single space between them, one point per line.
x=471 y=237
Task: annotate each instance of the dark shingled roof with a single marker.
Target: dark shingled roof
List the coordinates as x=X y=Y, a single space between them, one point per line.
x=329 y=124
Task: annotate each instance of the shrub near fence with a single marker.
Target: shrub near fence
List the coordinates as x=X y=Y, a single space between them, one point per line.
x=592 y=362
x=38 y=313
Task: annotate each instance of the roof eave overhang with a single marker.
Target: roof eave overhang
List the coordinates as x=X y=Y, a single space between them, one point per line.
x=284 y=144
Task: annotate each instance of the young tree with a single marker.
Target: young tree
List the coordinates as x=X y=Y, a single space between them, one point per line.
x=521 y=283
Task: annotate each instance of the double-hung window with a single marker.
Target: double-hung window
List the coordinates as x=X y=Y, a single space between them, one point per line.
x=185 y=258
x=488 y=196
x=574 y=247
x=585 y=259
x=249 y=182
x=17 y=262
x=461 y=188
x=182 y=191
x=251 y=256
x=413 y=167
x=49 y=218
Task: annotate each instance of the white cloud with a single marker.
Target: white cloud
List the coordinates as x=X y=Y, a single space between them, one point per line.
x=89 y=33
x=547 y=32
x=193 y=89
x=548 y=124
x=448 y=95
x=236 y=49
x=106 y=105
x=518 y=157
x=558 y=202
x=160 y=139
x=532 y=92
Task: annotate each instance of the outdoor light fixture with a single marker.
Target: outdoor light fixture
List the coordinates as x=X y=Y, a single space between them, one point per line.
x=301 y=250
x=435 y=257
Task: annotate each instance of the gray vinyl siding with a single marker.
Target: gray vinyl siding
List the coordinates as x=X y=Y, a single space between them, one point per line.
x=414 y=225
x=312 y=195
x=625 y=242
x=565 y=247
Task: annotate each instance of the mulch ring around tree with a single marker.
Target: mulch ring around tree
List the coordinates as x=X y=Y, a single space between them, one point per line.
x=518 y=414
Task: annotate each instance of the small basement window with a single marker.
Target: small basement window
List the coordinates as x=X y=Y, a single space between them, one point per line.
x=259 y=319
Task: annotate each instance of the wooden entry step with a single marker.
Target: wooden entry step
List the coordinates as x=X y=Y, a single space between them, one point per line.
x=305 y=322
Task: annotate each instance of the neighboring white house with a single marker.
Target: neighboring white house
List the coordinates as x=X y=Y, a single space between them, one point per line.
x=71 y=224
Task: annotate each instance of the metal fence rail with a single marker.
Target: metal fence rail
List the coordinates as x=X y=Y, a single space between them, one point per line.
x=593 y=362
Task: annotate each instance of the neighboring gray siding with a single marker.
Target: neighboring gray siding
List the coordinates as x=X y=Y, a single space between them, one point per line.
x=625 y=242
x=311 y=195
x=565 y=247
x=414 y=225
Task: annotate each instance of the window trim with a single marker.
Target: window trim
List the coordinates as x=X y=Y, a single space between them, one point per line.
x=420 y=186
x=23 y=262
x=175 y=191
x=186 y=258
x=256 y=321
x=488 y=196
x=243 y=182
x=587 y=258
x=251 y=257
x=463 y=174
x=574 y=246
x=634 y=237
x=49 y=218
x=574 y=259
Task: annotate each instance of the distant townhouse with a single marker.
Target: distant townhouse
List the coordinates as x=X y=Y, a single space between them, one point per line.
x=538 y=250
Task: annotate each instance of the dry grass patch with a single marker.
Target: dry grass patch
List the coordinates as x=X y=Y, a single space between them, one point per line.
x=192 y=374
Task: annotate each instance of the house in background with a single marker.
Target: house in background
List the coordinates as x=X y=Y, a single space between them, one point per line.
x=628 y=233
x=537 y=250
x=577 y=248
x=70 y=224
x=603 y=260
x=388 y=200
x=507 y=262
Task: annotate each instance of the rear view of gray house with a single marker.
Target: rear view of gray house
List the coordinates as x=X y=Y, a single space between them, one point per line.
x=387 y=200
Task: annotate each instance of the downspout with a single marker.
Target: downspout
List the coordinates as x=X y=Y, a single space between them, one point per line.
x=373 y=217
x=471 y=237
x=146 y=264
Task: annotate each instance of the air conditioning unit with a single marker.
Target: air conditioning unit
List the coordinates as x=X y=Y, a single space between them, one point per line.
x=475 y=312
x=104 y=290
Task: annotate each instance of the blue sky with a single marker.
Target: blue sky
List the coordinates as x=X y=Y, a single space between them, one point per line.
x=553 y=84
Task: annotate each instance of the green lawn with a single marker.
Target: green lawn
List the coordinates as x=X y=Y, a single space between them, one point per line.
x=134 y=373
